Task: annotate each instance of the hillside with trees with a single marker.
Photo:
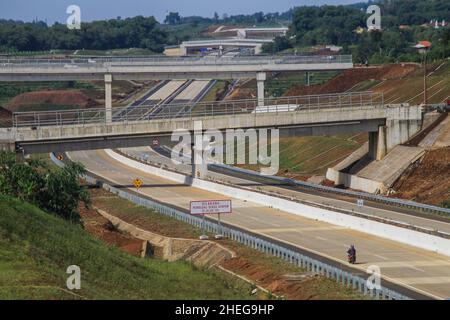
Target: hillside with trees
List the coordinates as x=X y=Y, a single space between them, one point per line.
x=137 y=32
x=404 y=23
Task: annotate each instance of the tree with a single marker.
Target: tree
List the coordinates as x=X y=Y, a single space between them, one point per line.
x=56 y=190
x=278 y=44
x=62 y=192
x=173 y=18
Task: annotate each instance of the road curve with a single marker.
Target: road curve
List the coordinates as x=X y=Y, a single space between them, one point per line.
x=423 y=271
x=299 y=194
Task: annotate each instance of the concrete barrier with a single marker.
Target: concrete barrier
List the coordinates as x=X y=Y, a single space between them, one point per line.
x=388 y=231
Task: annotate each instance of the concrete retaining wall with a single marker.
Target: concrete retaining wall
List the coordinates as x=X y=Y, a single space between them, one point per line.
x=355 y=182
x=403 y=235
x=200 y=253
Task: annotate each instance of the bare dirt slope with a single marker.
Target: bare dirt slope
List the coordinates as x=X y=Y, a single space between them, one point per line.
x=104 y=230
x=348 y=79
x=5 y=118
x=427 y=181
x=40 y=99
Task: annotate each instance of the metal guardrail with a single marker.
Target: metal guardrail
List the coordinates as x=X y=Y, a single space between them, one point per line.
x=360 y=195
x=193 y=110
x=107 y=62
x=331 y=272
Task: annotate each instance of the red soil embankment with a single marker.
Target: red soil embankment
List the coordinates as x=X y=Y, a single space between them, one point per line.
x=51 y=97
x=104 y=230
x=428 y=181
x=352 y=77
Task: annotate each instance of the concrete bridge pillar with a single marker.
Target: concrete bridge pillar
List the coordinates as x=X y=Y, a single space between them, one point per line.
x=260 y=78
x=377 y=144
x=108 y=98
x=198 y=164
x=258 y=49
x=183 y=50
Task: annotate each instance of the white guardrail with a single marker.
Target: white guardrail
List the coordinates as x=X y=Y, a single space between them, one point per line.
x=361 y=195
x=106 y=62
x=355 y=194
x=307 y=263
x=398 y=232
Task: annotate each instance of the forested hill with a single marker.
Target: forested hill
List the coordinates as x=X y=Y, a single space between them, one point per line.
x=137 y=32
x=403 y=23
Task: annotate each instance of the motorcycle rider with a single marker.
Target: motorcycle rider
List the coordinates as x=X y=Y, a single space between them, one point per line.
x=352 y=254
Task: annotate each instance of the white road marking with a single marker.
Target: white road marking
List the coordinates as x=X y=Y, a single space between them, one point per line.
x=381 y=257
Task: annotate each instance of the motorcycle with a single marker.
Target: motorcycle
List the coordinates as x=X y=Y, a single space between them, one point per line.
x=351 y=258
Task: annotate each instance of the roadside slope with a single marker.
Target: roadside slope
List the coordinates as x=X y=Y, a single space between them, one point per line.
x=36 y=248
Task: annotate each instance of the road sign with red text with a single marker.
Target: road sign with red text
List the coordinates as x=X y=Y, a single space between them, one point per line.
x=210 y=207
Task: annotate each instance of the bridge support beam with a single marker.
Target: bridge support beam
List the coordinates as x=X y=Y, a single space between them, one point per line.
x=377 y=144
x=108 y=98
x=260 y=79
x=183 y=50
x=198 y=164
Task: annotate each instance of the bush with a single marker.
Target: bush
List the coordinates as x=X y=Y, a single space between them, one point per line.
x=56 y=190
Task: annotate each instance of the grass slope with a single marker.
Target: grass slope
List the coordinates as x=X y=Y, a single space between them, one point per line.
x=36 y=248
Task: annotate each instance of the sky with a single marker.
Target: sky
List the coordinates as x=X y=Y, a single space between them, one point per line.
x=55 y=10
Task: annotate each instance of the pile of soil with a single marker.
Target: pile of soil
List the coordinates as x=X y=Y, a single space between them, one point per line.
x=5 y=118
x=51 y=97
x=292 y=287
x=242 y=93
x=350 y=78
x=104 y=230
x=427 y=181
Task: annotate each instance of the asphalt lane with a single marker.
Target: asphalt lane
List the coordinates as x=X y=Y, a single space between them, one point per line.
x=431 y=224
x=421 y=270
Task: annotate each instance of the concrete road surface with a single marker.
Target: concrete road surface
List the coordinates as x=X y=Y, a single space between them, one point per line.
x=147 y=152
x=417 y=269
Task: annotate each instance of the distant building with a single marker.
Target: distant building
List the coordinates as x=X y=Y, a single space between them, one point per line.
x=334 y=48
x=435 y=23
x=423 y=46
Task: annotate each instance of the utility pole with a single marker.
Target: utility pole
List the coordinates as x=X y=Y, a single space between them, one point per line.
x=425 y=84
x=423 y=47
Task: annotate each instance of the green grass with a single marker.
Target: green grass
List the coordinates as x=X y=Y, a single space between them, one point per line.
x=211 y=96
x=36 y=248
x=116 y=52
x=147 y=219
x=46 y=107
x=314 y=155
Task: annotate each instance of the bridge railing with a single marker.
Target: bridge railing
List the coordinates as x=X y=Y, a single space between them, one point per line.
x=199 y=110
x=15 y=63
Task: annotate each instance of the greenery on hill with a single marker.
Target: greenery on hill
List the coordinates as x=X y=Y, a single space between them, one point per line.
x=137 y=32
x=36 y=248
x=404 y=23
x=54 y=190
x=337 y=25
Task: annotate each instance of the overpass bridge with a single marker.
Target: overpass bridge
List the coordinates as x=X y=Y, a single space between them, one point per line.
x=255 y=44
x=89 y=129
x=243 y=33
x=164 y=68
